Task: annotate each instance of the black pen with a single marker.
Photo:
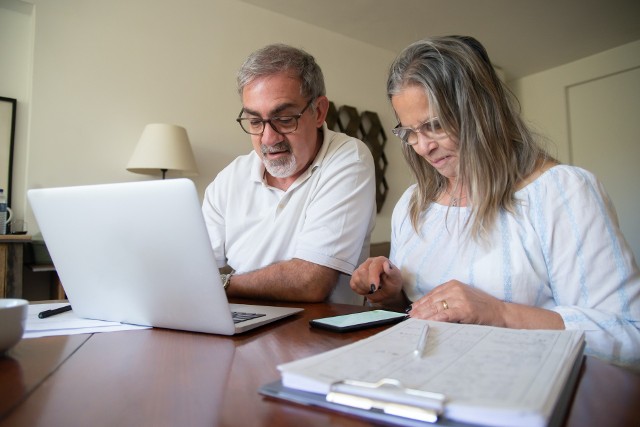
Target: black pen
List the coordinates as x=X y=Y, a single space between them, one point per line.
x=49 y=313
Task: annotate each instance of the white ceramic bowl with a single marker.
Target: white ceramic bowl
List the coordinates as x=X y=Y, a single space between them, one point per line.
x=13 y=317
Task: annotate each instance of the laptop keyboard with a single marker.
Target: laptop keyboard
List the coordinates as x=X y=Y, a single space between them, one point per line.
x=239 y=316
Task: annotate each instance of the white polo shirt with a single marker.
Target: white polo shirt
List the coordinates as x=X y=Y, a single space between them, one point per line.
x=325 y=216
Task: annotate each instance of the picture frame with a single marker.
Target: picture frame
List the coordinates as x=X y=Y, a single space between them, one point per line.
x=8 y=107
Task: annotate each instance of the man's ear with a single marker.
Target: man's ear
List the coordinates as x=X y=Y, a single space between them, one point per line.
x=322 y=107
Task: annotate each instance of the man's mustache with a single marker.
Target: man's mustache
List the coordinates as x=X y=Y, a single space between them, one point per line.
x=279 y=147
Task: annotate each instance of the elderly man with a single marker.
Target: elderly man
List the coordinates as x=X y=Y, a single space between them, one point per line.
x=293 y=218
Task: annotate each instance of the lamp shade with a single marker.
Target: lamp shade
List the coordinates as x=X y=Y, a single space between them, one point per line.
x=163 y=147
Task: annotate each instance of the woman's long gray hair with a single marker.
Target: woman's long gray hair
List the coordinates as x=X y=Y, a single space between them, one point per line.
x=496 y=149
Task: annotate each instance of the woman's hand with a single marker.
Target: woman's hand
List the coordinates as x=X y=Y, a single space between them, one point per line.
x=378 y=280
x=455 y=301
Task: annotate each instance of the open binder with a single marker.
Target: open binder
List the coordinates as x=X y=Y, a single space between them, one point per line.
x=469 y=374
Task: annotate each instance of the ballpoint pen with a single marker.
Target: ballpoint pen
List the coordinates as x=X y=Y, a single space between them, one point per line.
x=422 y=342
x=49 y=313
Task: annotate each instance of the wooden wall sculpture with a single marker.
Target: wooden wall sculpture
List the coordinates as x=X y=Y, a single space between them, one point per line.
x=367 y=128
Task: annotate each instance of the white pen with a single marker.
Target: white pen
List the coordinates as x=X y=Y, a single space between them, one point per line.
x=422 y=342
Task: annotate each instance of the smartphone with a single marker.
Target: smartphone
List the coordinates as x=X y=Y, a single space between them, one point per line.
x=353 y=322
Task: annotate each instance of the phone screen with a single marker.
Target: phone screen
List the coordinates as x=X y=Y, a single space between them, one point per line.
x=351 y=322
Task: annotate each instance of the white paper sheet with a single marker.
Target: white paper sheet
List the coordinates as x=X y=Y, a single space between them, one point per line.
x=67 y=323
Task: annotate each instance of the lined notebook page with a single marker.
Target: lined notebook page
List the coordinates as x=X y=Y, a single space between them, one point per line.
x=493 y=376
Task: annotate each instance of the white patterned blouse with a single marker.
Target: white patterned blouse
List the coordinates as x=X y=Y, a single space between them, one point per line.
x=562 y=250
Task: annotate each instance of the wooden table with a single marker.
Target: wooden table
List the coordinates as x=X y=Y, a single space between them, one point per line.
x=161 y=377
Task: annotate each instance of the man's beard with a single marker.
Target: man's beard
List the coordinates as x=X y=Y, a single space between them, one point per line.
x=282 y=167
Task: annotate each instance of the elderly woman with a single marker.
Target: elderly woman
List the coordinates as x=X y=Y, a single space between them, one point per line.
x=495 y=231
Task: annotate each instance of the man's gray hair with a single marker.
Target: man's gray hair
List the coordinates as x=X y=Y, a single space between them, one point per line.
x=278 y=58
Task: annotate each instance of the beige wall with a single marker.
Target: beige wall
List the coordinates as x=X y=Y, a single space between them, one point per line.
x=16 y=44
x=90 y=74
x=102 y=70
x=543 y=96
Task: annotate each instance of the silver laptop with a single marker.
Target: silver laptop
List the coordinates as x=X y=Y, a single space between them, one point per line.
x=139 y=253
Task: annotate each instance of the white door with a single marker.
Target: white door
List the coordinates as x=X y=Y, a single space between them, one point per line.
x=604 y=121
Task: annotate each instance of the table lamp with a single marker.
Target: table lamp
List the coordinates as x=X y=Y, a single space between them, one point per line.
x=163 y=147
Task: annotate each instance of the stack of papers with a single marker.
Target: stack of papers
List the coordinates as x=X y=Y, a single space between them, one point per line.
x=67 y=323
x=485 y=375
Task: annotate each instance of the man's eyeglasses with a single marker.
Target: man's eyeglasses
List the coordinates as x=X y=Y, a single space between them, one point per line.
x=432 y=129
x=281 y=124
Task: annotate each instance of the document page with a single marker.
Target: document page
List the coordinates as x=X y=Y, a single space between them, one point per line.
x=67 y=323
x=484 y=372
